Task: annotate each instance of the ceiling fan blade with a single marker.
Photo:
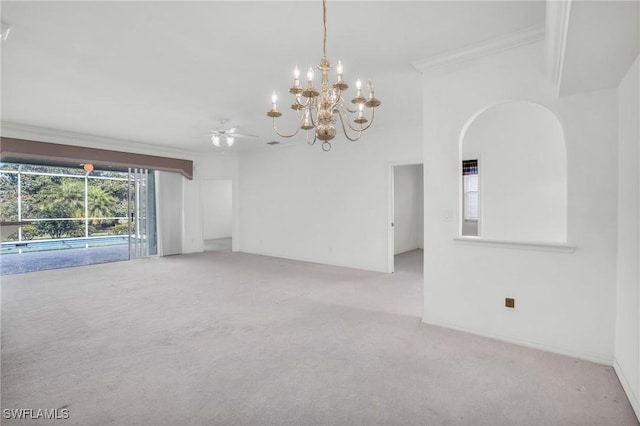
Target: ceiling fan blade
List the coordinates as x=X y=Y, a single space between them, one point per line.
x=243 y=135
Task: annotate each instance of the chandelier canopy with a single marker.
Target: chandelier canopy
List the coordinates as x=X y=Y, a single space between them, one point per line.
x=319 y=109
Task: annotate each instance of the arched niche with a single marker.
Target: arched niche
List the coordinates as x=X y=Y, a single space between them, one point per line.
x=522 y=171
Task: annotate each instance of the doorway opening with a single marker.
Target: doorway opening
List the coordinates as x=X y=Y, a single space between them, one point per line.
x=406 y=213
x=217 y=214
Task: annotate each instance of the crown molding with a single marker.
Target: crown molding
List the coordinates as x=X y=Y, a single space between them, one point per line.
x=557 y=20
x=455 y=59
x=42 y=134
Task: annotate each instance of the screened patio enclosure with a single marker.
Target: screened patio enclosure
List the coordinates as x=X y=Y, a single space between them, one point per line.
x=55 y=217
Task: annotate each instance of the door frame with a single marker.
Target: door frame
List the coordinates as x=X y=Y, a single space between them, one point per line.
x=391 y=209
x=234 y=207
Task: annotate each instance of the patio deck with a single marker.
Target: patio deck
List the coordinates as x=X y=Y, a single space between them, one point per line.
x=18 y=263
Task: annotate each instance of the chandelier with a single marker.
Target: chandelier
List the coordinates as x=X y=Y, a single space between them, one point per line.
x=319 y=109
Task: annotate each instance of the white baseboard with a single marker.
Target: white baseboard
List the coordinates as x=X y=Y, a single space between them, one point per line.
x=633 y=398
x=587 y=356
x=312 y=260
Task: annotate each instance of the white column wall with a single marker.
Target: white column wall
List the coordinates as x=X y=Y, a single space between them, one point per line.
x=627 y=347
x=565 y=302
x=217 y=199
x=169 y=212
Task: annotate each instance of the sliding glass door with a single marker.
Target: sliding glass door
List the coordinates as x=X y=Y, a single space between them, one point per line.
x=142 y=226
x=56 y=217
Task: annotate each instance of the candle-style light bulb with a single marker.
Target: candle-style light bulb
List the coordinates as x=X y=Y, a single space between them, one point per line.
x=358 y=84
x=310 y=75
x=370 y=85
x=296 y=77
x=339 y=68
x=273 y=112
x=360 y=118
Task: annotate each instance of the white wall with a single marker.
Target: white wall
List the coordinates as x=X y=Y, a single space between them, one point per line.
x=408 y=208
x=299 y=202
x=169 y=212
x=523 y=172
x=217 y=208
x=565 y=302
x=627 y=347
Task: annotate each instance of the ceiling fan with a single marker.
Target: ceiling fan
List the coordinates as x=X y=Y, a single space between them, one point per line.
x=228 y=135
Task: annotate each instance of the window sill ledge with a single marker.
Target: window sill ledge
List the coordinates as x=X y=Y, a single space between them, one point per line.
x=521 y=245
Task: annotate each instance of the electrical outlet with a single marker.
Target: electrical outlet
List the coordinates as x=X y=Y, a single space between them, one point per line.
x=510 y=303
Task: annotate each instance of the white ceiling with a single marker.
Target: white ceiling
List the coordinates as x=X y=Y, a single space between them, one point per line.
x=165 y=73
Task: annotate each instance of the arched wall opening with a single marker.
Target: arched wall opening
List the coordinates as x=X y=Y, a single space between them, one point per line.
x=522 y=172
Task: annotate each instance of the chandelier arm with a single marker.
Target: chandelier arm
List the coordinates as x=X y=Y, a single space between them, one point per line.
x=303 y=105
x=373 y=116
x=315 y=137
x=362 y=129
x=337 y=104
x=346 y=107
x=357 y=129
x=313 y=122
x=302 y=111
x=344 y=129
x=282 y=135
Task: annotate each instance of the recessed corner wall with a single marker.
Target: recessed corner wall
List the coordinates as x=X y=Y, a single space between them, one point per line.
x=627 y=348
x=408 y=210
x=169 y=211
x=565 y=301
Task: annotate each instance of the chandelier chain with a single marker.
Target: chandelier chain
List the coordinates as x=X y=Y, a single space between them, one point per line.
x=324 y=28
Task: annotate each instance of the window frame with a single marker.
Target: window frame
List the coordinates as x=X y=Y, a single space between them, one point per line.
x=463 y=220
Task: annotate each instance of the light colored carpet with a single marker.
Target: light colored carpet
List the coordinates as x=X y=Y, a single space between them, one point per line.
x=232 y=338
x=218 y=244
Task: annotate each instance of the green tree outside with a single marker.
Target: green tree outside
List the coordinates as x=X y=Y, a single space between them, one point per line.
x=46 y=196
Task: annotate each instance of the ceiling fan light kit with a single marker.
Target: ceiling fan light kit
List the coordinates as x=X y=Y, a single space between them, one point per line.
x=320 y=109
x=228 y=139
x=228 y=136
